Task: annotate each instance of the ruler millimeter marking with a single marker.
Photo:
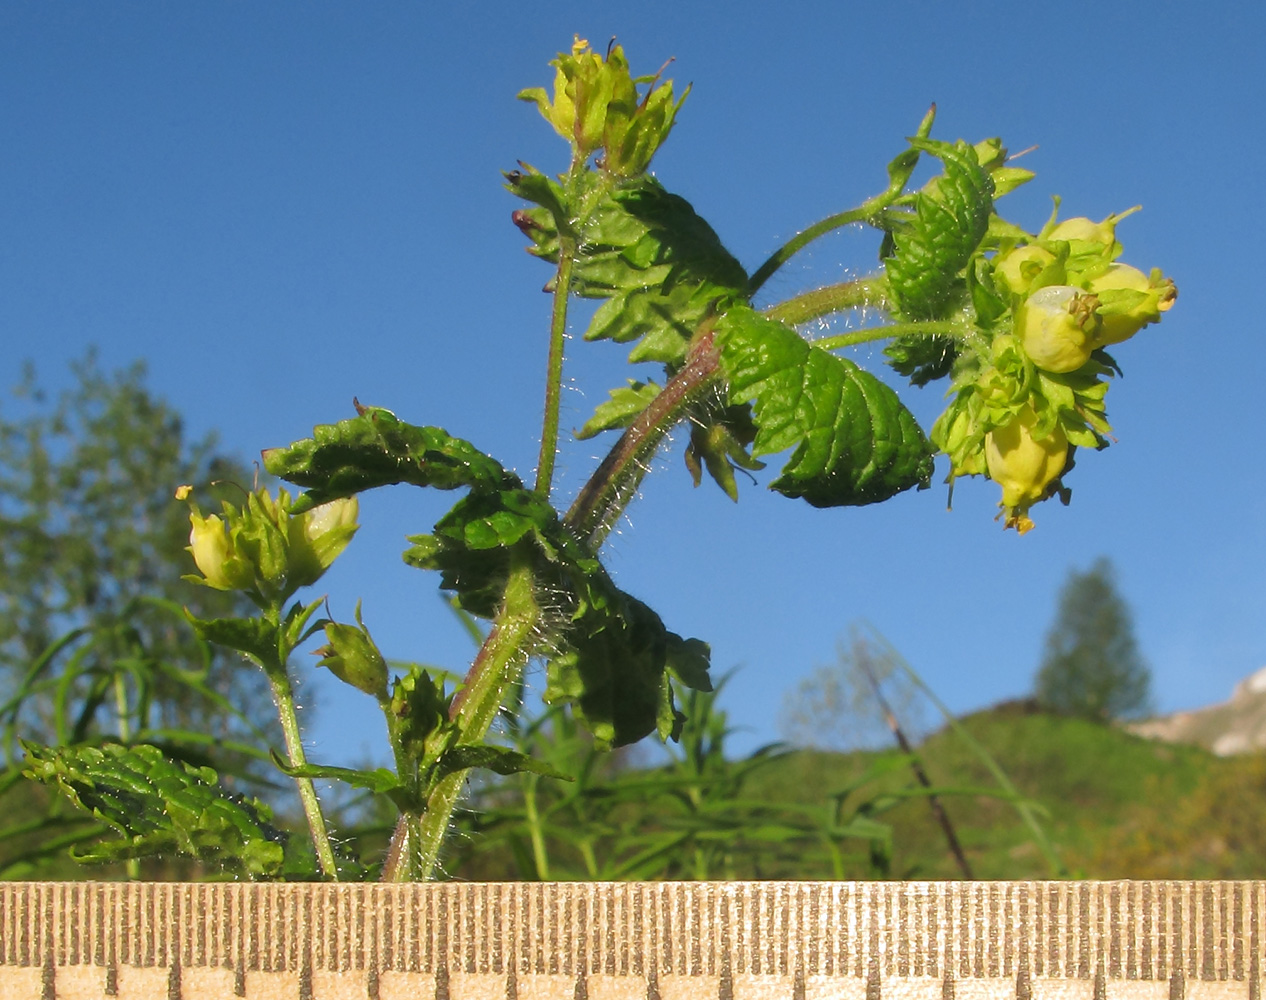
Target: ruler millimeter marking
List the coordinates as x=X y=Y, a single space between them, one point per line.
x=723 y=940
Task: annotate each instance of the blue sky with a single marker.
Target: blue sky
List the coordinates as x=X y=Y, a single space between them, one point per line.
x=281 y=206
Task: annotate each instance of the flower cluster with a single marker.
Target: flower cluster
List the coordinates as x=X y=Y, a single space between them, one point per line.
x=1018 y=414
x=263 y=548
x=596 y=107
x=1072 y=296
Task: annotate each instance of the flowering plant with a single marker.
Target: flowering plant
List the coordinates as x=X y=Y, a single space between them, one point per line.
x=1019 y=324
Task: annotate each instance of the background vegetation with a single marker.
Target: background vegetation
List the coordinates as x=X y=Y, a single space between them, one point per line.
x=94 y=650
x=94 y=644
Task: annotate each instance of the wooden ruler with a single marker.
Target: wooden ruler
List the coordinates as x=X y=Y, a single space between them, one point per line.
x=612 y=941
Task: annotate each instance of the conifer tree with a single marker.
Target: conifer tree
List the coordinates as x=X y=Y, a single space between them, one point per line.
x=1092 y=667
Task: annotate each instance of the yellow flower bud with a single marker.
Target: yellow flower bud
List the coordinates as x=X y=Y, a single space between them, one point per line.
x=595 y=106
x=1016 y=269
x=1085 y=230
x=1056 y=326
x=213 y=553
x=583 y=87
x=1024 y=465
x=316 y=538
x=1128 y=301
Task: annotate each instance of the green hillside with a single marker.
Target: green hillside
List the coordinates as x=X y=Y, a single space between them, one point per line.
x=1114 y=805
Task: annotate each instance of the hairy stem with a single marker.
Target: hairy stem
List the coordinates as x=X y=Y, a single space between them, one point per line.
x=614 y=482
x=819 y=229
x=868 y=291
x=931 y=328
x=872 y=211
x=581 y=204
x=415 y=845
x=283 y=696
x=554 y=369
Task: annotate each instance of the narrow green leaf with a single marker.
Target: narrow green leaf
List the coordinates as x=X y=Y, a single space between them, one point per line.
x=494 y=758
x=903 y=164
x=379 y=780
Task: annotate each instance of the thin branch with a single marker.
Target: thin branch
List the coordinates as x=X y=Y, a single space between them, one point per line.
x=862 y=657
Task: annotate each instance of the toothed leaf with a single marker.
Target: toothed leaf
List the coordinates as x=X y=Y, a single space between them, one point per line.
x=661 y=267
x=851 y=439
x=610 y=655
x=160 y=806
x=934 y=244
x=376 y=448
x=620 y=410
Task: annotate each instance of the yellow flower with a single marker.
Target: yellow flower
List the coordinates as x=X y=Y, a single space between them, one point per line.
x=316 y=538
x=1023 y=464
x=1017 y=268
x=1129 y=300
x=213 y=553
x=1056 y=326
x=596 y=107
x=583 y=87
x=1085 y=230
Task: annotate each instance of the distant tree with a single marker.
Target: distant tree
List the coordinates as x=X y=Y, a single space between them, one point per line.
x=92 y=550
x=1092 y=667
x=844 y=706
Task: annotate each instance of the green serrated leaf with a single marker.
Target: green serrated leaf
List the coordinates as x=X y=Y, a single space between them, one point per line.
x=922 y=359
x=255 y=637
x=471 y=544
x=160 y=806
x=612 y=652
x=661 y=267
x=853 y=442
x=935 y=243
x=532 y=185
x=689 y=660
x=611 y=671
x=497 y=520
x=375 y=449
x=620 y=410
